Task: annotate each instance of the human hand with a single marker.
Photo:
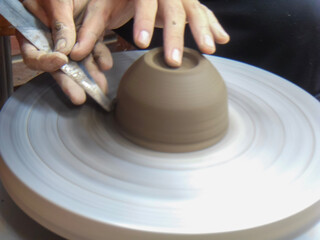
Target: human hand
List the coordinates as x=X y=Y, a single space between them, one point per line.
x=60 y=15
x=172 y=16
x=64 y=37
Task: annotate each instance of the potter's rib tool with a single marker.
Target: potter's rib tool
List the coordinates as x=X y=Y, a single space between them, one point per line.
x=40 y=36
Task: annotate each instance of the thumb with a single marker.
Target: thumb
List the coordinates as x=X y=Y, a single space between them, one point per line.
x=62 y=24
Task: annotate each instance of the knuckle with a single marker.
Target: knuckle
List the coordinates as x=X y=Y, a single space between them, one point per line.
x=196 y=6
x=93 y=36
x=177 y=11
x=202 y=28
x=99 y=49
x=30 y=63
x=59 y=26
x=180 y=13
x=176 y=39
x=93 y=6
x=146 y=22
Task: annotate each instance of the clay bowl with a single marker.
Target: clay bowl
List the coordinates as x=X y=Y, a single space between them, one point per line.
x=172 y=109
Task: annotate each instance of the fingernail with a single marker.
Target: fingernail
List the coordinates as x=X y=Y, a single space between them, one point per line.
x=77 y=45
x=60 y=44
x=144 y=38
x=208 y=41
x=176 y=55
x=75 y=49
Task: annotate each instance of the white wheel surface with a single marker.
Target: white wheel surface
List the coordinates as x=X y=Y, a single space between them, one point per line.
x=70 y=169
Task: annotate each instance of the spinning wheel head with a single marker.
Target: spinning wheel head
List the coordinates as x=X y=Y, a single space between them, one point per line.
x=172 y=109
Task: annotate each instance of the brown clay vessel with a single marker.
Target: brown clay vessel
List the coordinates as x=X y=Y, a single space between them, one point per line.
x=172 y=109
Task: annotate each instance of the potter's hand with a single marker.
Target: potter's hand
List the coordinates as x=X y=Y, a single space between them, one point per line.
x=172 y=16
x=111 y=14
x=169 y=14
x=97 y=15
x=63 y=26
x=100 y=59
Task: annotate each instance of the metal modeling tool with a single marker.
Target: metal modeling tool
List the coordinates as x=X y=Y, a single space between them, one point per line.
x=40 y=36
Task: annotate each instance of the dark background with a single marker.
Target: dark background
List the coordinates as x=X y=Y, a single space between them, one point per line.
x=281 y=36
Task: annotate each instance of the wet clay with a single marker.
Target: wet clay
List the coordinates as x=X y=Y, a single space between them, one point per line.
x=172 y=109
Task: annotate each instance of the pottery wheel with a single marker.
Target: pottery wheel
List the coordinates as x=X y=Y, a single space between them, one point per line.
x=69 y=168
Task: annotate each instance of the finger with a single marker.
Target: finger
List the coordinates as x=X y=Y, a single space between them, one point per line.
x=144 y=21
x=122 y=12
x=219 y=34
x=62 y=24
x=96 y=73
x=36 y=9
x=40 y=60
x=91 y=30
x=174 y=18
x=102 y=56
x=199 y=26
x=159 y=20
x=75 y=93
x=79 y=8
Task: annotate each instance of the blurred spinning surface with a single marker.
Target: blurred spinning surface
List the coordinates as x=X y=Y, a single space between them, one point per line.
x=69 y=168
